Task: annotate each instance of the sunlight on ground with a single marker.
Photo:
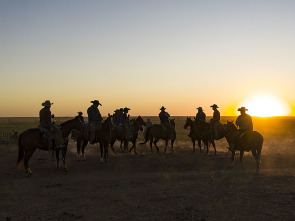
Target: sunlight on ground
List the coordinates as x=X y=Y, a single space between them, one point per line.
x=266 y=105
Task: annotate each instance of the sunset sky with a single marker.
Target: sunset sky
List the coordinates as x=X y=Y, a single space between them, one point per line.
x=145 y=54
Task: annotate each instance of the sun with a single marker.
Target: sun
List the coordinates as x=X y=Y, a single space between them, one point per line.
x=266 y=105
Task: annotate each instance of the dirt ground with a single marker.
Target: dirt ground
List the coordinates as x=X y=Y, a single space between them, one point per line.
x=171 y=186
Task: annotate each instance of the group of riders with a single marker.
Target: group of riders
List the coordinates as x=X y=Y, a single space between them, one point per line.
x=123 y=126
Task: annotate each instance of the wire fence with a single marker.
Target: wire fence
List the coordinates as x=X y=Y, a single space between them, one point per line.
x=8 y=137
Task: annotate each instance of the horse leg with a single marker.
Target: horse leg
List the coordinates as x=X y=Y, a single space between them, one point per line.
x=101 y=151
x=78 y=149
x=213 y=144
x=257 y=154
x=155 y=143
x=151 y=144
x=126 y=145
x=241 y=158
x=112 y=142
x=28 y=155
x=200 y=145
x=106 y=152
x=172 y=142
x=64 y=153
x=85 y=142
x=194 y=145
x=166 y=144
x=57 y=159
x=232 y=158
x=258 y=161
x=134 y=146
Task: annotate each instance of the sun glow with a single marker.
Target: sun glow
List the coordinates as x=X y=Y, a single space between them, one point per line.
x=266 y=106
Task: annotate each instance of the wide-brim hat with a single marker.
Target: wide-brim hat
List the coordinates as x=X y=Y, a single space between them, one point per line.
x=162 y=108
x=214 y=105
x=126 y=108
x=199 y=108
x=96 y=102
x=47 y=103
x=242 y=109
x=80 y=112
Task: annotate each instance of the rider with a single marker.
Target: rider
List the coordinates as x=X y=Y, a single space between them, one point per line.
x=128 y=133
x=200 y=115
x=94 y=119
x=244 y=123
x=54 y=134
x=164 y=118
x=214 y=122
x=80 y=117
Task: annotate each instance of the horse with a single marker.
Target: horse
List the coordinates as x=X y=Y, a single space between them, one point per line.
x=194 y=133
x=136 y=125
x=32 y=139
x=103 y=137
x=157 y=132
x=248 y=141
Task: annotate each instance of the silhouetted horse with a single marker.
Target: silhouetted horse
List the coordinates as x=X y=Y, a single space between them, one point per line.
x=157 y=132
x=249 y=141
x=136 y=125
x=102 y=137
x=32 y=139
x=194 y=133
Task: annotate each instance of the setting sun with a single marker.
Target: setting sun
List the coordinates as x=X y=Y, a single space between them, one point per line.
x=266 y=106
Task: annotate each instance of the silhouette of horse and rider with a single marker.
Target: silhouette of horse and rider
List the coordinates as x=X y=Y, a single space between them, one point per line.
x=50 y=136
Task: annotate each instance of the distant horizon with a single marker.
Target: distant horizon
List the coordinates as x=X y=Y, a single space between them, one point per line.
x=146 y=54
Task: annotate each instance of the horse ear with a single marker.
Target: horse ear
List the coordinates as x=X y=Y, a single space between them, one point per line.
x=109 y=114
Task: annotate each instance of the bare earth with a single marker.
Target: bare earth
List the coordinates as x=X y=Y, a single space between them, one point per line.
x=171 y=186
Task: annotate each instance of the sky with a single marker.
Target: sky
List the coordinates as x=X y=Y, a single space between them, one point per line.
x=144 y=54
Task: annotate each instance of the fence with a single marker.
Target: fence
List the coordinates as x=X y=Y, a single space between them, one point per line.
x=8 y=137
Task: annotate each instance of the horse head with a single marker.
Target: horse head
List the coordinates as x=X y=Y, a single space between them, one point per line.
x=140 y=121
x=230 y=127
x=188 y=123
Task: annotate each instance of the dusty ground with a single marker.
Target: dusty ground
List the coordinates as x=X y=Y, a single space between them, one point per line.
x=172 y=186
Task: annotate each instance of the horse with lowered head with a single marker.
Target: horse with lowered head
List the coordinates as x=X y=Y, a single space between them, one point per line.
x=194 y=133
x=248 y=141
x=32 y=139
x=135 y=127
x=156 y=132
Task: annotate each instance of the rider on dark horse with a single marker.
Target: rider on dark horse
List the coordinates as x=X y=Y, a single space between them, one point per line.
x=244 y=123
x=53 y=133
x=165 y=122
x=214 y=122
x=94 y=119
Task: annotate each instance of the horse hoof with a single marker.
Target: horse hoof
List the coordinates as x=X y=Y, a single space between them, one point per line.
x=29 y=171
x=101 y=160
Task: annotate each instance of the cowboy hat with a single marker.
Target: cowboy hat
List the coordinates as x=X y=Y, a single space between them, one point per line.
x=214 y=105
x=242 y=109
x=80 y=113
x=126 y=108
x=96 y=102
x=47 y=103
x=200 y=108
x=162 y=108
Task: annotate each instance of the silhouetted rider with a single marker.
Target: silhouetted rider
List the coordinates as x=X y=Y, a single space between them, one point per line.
x=167 y=126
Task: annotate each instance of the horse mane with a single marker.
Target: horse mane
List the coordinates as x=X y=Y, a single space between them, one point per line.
x=231 y=125
x=67 y=122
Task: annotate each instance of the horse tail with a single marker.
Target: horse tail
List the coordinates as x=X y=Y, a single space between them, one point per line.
x=20 y=152
x=147 y=135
